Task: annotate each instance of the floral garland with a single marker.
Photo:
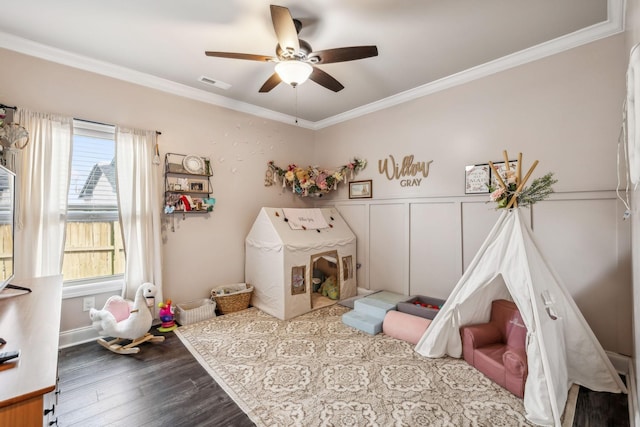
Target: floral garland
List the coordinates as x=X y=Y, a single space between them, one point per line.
x=312 y=181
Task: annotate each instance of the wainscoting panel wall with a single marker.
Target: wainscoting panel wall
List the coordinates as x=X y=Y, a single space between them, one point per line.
x=388 y=247
x=578 y=238
x=422 y=247
x=357 y=216
x=434 y=248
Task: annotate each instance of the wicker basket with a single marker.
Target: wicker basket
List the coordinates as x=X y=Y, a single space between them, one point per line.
x=195 y=311
x=232 y=298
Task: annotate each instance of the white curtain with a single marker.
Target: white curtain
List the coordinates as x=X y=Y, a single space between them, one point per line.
x=43 y=183
x=139 y=203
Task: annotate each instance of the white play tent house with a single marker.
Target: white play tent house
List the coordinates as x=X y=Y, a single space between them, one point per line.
x=561 y=348
x=291 y=253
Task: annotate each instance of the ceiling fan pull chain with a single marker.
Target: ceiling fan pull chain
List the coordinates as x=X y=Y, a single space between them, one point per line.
x=295 y=90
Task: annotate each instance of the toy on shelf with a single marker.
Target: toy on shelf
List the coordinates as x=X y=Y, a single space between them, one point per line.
x=125 y=320
x=167 y=318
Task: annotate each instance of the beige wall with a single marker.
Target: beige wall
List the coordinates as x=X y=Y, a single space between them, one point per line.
x=565 y=111
x=204 y=251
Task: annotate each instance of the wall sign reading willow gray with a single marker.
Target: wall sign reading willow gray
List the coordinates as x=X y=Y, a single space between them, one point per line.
x=409 y=173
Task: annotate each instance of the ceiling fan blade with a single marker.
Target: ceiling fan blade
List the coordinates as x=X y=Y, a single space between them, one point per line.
x=343 y=54
x=271 y=82
x=324 y=79
x=285 y=29
x=248 y=56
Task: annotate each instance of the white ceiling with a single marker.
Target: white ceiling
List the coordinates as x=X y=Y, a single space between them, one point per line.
x=423 y=45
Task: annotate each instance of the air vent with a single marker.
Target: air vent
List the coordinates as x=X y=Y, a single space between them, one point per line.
x=213 y=82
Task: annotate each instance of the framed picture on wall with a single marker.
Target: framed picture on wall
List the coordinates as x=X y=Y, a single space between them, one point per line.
x=501 y=167
x=360 y=189
x=477 y=179
x=196 y=186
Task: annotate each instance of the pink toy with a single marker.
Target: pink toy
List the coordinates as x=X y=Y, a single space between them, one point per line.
x=166 y=315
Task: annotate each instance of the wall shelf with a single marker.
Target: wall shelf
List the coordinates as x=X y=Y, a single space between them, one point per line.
x=187 y=184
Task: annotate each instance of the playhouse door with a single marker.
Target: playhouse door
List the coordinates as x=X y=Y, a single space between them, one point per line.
x=325 y=279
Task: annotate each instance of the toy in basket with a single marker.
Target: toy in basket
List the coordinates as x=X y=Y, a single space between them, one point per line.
x=231 y=298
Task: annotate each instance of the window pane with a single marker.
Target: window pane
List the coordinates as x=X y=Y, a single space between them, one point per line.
x=93 y=246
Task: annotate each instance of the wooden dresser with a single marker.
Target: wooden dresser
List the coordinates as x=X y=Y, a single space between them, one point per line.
x=30 y=323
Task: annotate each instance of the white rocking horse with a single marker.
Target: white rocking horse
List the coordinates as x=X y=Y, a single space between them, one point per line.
x=126 y=321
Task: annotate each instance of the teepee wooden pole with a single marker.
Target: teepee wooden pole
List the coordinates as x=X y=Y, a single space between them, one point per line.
x=518 y=175
x=506 y=161
x=495 y=171
x=521 y=185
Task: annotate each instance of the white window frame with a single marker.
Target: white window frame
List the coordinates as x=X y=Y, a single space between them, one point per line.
x=94 y=285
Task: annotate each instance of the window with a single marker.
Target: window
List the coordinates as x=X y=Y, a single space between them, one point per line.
x=93 y=247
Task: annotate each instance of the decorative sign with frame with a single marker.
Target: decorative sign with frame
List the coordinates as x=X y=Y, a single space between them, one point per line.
x=360 y=189
x=502 y=170
x=477 y=179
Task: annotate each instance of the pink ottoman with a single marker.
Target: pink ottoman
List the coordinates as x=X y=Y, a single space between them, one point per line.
x=403 y=326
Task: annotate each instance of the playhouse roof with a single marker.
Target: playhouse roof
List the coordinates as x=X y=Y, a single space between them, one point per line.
x=272 y=230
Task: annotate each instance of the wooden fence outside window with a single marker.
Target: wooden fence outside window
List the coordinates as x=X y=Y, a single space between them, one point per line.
x=93 y=249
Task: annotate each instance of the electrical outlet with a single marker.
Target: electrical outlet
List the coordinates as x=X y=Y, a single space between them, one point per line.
x=88 y=303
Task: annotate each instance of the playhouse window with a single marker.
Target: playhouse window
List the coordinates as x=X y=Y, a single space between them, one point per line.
x=297 y=280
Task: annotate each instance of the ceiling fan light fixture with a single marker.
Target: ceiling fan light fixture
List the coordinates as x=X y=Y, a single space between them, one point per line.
x=293 y=72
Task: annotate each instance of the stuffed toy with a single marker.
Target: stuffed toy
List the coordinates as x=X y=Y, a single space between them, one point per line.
x=124 y=319
x=330 y=288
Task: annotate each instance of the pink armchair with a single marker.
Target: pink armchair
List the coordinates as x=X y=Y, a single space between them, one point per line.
x=498 y=348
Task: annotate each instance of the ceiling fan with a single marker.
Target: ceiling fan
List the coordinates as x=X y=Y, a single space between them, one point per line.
x=295 y=60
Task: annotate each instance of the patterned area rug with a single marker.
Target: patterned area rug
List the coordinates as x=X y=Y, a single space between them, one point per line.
x=315 y=371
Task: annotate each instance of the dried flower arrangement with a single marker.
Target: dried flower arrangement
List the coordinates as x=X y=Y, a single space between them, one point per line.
x=511 y=192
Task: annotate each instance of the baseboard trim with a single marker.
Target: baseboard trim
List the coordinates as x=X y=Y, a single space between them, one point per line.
x=621 y=362
x=364 y=291
x=77 y=336
x=634 y=416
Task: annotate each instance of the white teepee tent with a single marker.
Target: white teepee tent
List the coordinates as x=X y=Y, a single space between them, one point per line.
x=561 y=348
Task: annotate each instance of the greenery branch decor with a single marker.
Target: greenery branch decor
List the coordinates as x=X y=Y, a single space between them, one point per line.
x=510 y=190
x=312 y=180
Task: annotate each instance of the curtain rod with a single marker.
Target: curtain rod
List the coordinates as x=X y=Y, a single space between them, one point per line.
x=9 y=107
x=103 y=124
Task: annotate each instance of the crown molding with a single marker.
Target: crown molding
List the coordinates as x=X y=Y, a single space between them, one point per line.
x=28 y=47
x=613 y=25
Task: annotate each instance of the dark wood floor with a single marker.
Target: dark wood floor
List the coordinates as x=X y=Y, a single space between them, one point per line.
x=595 y=409
x=164 y=385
